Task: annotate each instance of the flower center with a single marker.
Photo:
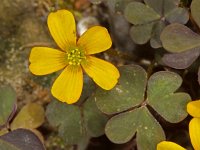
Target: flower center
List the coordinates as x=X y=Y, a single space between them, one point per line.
x=75 y=56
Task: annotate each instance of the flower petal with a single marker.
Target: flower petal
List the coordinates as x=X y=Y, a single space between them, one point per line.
x=95 y=40
x=193 y=108
x=194 y=130
x=62 y=28
x=68 y=86
x=46 y=60
x=103 y=73
x=165 y=145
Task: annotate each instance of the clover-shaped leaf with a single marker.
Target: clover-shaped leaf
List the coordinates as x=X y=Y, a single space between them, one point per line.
x=160 y=95
x=121 y=128
x=154 y=12
x=128 y=93
x=7 y=107
x=128 y=105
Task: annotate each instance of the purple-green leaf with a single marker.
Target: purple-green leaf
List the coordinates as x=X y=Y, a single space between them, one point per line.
x=181 y=60
x=22 y=139
x=178 y=38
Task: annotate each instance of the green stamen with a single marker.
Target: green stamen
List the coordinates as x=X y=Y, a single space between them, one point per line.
x=75 y=56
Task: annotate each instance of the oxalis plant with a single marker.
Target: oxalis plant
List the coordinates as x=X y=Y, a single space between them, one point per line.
x=135 y=105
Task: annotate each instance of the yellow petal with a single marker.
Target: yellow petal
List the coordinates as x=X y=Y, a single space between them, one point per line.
x=165 y=145
x=68 y=86
x=95 y=40
x=194 y=130
x=46 y=60
x=193 y=108
x=103 y=73
x=62 y=28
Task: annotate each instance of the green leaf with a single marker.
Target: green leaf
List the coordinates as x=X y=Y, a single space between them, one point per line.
x=121 y=128
x=76 y=123
x=178 y=15
x=156 y=31
x=8 y=100
x=170 y=106
x=128 y=93
x=183 y=38
x=195 y=10
x=20 y=139
x=30 y=116
x=162 y=83
x=95 y=121
x=138 y=13
x=68 y=119
x=141 y=33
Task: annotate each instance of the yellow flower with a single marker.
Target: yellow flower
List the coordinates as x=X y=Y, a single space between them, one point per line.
x=73 y=56
x=193 y=108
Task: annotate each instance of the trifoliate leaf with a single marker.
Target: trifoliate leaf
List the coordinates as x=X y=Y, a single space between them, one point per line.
x=121 y=128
